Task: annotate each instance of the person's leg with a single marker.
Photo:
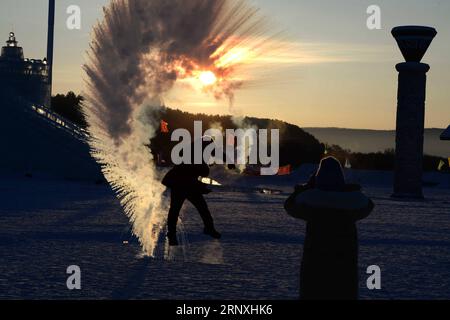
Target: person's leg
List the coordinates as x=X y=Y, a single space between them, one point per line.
x=200 y=204
x=176 y=203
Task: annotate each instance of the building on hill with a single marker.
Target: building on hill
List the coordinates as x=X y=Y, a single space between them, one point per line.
x=27 y=78
x=34 y=139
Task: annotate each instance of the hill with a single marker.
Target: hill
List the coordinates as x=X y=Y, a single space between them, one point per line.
x=296 y=146
x=371 y=141
x=366 y=149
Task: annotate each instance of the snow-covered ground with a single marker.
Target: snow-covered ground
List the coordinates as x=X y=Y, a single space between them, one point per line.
x=47 y=225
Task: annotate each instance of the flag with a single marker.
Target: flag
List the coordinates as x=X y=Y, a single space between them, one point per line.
x=164 y=127
x=285 y=171
x=441 y=165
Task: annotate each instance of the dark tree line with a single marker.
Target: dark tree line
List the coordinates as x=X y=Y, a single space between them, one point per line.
x=384 y=161
x=69 y=107
x=297 y=147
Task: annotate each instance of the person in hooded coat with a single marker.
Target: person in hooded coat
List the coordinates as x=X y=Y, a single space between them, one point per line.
x=331 y=208
x=184 y=184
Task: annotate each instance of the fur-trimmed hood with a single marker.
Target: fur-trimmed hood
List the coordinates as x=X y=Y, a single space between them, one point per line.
x=344 y=201
x=318 y=204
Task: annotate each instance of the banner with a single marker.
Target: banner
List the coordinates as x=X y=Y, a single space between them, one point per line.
x=164 y=127
x=285 y=171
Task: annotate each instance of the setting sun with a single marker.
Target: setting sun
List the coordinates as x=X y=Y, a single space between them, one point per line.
x=207 y=78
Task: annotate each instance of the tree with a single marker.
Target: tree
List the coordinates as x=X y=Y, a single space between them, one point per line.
x=69 y=107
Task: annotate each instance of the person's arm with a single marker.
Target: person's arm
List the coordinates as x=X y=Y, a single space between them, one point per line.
x=307 y=213
x=204 y=171
x=294 y=210
x=357 y=215
x=299 y=211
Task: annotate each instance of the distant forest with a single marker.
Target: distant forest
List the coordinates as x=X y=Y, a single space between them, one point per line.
x=69 y=107
x=297 y=147
x=384 y=161
x=367 y=141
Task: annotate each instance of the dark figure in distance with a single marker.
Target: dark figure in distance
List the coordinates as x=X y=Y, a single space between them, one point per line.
x=331 y=208
x=184 y=184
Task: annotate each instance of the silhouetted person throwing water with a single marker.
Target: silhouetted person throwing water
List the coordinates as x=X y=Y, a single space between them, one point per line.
x=183 y=182
x=331 y=209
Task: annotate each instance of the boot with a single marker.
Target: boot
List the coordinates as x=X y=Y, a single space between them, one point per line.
x=172 y=237
x=212 y=232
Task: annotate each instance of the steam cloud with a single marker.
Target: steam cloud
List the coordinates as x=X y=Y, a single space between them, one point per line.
x=138 y=52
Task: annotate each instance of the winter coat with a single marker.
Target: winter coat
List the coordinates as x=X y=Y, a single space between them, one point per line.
x=329 y=269
x=186 y=177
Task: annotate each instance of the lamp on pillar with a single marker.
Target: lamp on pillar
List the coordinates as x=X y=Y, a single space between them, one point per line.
x=413 y=41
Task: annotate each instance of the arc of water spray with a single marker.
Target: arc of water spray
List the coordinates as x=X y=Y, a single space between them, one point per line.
x=138 y=52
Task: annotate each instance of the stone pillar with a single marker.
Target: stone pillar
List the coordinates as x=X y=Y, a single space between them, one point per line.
x=410 y=129
x=414 y=42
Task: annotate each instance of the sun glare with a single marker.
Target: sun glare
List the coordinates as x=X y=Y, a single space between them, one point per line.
x=207 y=78
x=233 y=57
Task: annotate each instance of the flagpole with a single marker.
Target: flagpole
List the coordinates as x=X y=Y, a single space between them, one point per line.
x=50 y=41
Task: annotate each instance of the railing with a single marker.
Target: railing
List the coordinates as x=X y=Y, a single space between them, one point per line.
x=50 y=117
x=60 y=122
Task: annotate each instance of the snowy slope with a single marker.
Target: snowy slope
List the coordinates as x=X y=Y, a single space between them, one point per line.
x=35 y=144
x=47 y=225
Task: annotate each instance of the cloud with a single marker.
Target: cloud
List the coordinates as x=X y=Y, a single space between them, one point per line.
x=301 y=53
